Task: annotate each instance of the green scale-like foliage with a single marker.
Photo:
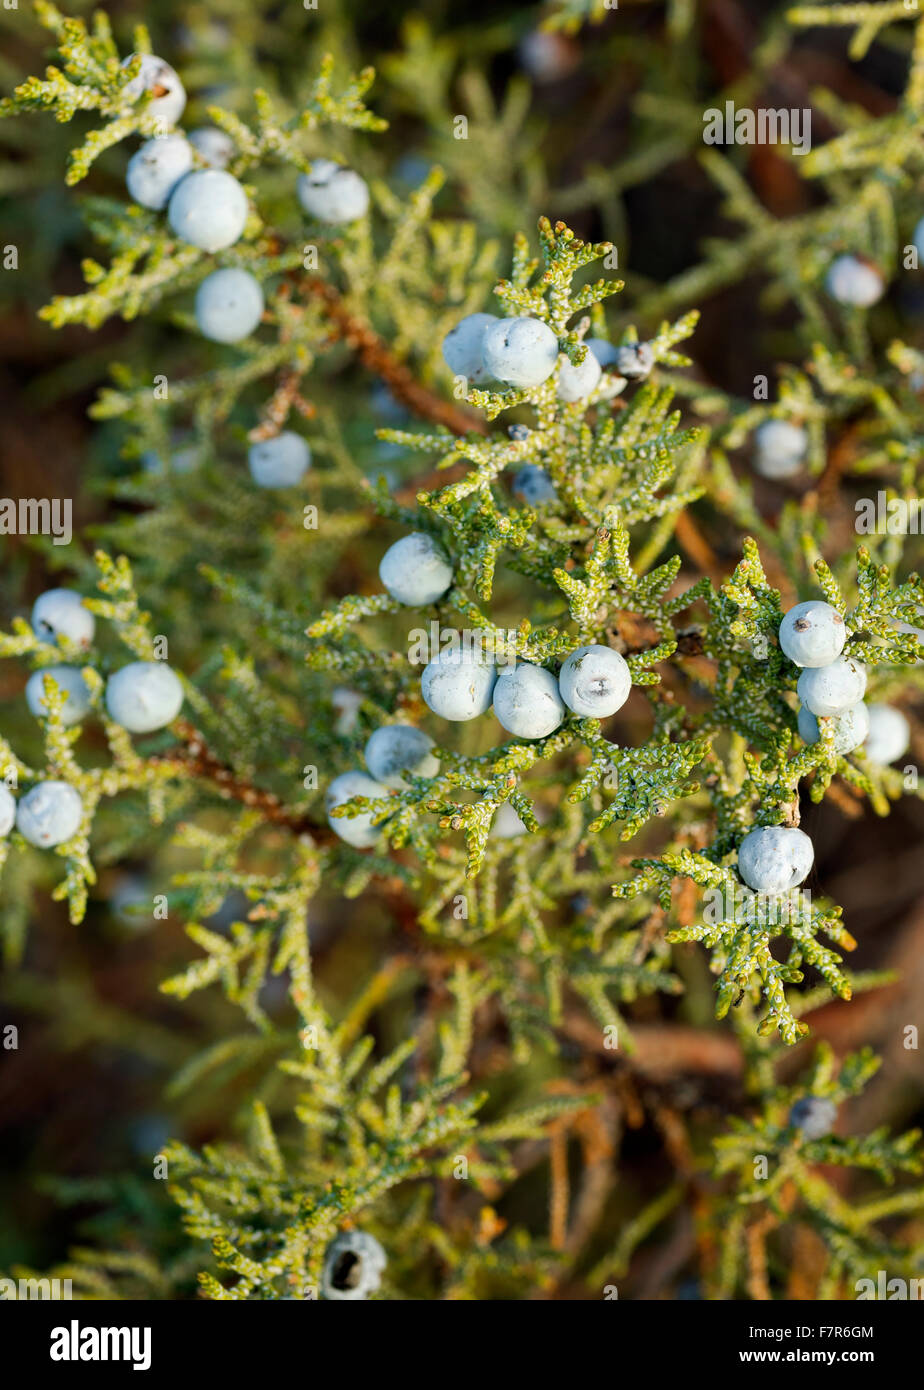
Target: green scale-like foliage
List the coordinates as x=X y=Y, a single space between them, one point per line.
x=291 y=656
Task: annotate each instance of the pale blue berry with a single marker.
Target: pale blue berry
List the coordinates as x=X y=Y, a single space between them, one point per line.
x=60 y=613
x=534 y=486
x=332 y=193
x=576 y=383
x=144 y=696
x=186 y=460
x=851 y=727
x=208 y=209
x=353 y=1267
x=69 y=680
x=779 y=449
x=229 y=305
x=507 y=823
x=604 y=351
x=548 y=55
x=595 y=681
x=155 y=170
x=813 y=633
x=213 y=146
x=815 y=1116
x=387 y=406
x=833 y=688
x=281 y=461
x=357 y=831
x=168 y=96
x=131 y=902
x=889 y=734
x=7 y=811
x=527 y=701
x=634 y=360
x=416 y=570
x=49 y=814
x=458 y=683
x=347 y=704
x=396 y=749
x=854 y=280
x=775 y=858
x=183 y=460
x=463 y=347
x=520 y=352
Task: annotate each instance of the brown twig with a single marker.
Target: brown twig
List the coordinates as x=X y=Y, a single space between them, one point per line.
x=755 y=1238
x=284 y=399
x=198 y=760
x=376 y=356
x=559 y=1189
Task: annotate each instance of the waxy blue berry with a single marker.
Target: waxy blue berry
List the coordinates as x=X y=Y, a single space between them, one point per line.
x=889 y=734
x=208 y=209
x=7 y=811
x=815 y=1116
x=458 y=684
x=281 y=461
x=214 y=146
x=854 y=280
x=155 y=170
x=49 y=814
x=61 y=613
x=72 y=684
x=168 y=95
x=416 y=570
x=833 y=688
x=527 y=702
x=813 y=633
x=144 y=696
x=229 y=305
x=851 y=727
x=396 y=749
x=332 y=193
x=533 y=486
x=520 y=352
x=463 y=347
x=780 y=448
x=595 y=681
x=357 y=831
x=775 y=858
x=577 y=381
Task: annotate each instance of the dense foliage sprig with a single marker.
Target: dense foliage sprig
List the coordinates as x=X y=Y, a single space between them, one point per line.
x=502 y=872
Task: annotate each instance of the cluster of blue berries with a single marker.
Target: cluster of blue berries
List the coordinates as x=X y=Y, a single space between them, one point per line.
x=461 y=683
x=832 y=686
x=780 y=448
x=140 y=697
x=523 y=353
x=47 y=815
x=392 y=753
x=207 y=206
x=775 y=859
